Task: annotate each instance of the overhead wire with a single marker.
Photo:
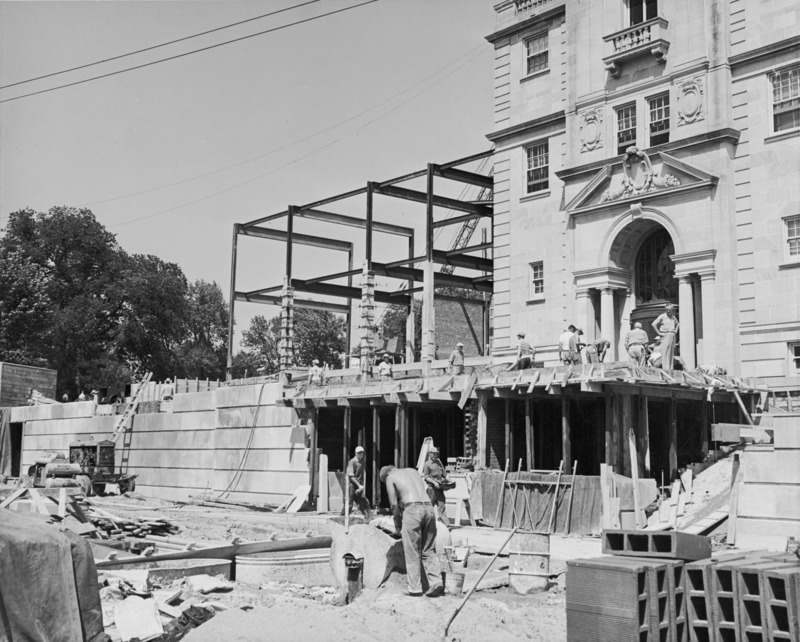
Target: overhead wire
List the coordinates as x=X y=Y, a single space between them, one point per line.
x=188 y=53
x=163 y=44
x=272 y=171
x=300 y=140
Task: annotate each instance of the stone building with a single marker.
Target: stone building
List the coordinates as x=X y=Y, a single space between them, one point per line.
x=649 y=152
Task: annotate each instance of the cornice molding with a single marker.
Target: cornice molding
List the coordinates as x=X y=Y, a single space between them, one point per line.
x=771 y=49
x=726 y=133
x=556 y=118
x=527 y=23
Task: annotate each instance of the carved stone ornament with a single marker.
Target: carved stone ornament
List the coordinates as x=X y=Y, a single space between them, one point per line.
x=639 y=177
x=591 y=121
x=690 y=100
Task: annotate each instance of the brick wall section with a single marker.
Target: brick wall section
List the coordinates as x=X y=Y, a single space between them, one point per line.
x=16 y=379
x=459 y=321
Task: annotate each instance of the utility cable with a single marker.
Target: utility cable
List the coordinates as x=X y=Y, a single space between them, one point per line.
x=163 y=44
x=188 y=53
x=296 y=142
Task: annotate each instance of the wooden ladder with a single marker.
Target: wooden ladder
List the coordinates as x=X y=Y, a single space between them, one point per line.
x=123 y=421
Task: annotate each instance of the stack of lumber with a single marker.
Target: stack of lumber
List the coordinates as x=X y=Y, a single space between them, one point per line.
x=670 y=510
x=117 y=527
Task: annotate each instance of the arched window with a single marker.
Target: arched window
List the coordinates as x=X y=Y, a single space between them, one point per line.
x=655 y=272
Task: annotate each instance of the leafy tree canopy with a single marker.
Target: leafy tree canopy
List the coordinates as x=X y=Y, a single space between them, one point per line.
x=72 y=299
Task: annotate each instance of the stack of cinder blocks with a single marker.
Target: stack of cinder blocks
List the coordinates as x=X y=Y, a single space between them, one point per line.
x=744 y=597
x=664 y=587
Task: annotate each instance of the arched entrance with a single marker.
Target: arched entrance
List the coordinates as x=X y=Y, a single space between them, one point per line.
x=653 y=279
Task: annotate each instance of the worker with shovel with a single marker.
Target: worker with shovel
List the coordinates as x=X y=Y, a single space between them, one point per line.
x=415 y=521
x=356 y=480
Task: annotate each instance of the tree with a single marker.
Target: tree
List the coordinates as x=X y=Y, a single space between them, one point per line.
x=154 y=318
x=393 y=325
x=318 y=334
x=60 y=300
x=203 y=352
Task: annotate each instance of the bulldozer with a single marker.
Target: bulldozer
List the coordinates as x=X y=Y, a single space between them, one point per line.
x=90 y=466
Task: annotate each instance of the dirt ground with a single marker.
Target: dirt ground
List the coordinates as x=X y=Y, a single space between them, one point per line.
x=294 y=612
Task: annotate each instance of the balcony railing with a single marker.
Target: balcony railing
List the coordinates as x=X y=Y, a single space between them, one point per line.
x=645 y=38
x=528 y=6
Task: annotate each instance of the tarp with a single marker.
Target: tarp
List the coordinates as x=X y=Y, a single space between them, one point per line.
x=48 y=583
x=5 y=441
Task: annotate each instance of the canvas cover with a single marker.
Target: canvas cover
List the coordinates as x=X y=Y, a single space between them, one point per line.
x=48 y=583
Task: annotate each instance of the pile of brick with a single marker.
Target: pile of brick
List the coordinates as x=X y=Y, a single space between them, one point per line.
x=665 y=586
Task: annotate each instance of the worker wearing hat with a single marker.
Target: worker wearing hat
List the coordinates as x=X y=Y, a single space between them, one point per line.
x=457 y=360
x=636 y=345
x=315 y=372
x=525 y=354
x=385 y=368
x=356 y=482
x=434 y=475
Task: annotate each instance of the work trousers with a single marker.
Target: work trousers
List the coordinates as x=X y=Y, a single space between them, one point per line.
x=419 y=546
x=667 y=350
x=637 y=354
x=361 y=501
x=438 y=500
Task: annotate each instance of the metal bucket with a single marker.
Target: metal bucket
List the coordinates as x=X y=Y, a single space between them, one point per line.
x=529 y=563
x=454 y=582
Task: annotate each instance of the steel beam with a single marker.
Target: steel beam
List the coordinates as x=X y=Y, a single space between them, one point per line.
x=440 y=280
x=300 y=239
x=352 y=221
x=471 y=248
x=343 y=291
x=307 y=304
x=464 y=177
x=438 y=201
x=456 y=220
x=469 y=262
x=332 y=277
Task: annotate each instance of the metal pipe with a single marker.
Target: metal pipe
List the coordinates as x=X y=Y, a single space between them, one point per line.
x=232 y=299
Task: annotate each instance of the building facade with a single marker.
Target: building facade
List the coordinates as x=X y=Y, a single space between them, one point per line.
x=649 y=152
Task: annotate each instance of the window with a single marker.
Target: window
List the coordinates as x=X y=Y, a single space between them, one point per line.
x=659 y=119
x=642 y=10
x=786 y=99
x=626 y=127
x=536 y=55
x=537 y=280
x=793 y=237
x=538 y=172
x=794 y=356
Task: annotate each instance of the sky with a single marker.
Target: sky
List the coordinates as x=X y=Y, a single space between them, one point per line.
x=169 y=156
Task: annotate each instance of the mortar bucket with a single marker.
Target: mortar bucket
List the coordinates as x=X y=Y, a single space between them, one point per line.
x=454 y=582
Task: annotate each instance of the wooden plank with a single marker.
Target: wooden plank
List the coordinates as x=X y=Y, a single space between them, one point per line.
x=62 y=503
x=686 y=480
x=13 y=496
x=605 y=495
x=38 y=501
x=737 y=484
x=469 y=386
x=499 y=512
x=529 y=447
x=324 y=493
x=566 y=436
x=674 y=498
x=634 y=472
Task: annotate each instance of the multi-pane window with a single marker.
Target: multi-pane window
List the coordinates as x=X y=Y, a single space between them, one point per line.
x=659 y=119
x=786 y=99
x=642 y=10
x=793 y=236
x=536 y=55
x=537 y=280
x=626 y=127
x=538 y=171
x=794 y=355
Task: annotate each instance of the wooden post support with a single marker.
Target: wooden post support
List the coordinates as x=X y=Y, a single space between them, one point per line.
x=314 y=467
x=626 y=427
x=346 y=437
x=376 y=455
x=644 y=436
x=673 y=439
x=398 y=422
x=634 y=475
x=566 y=437
x=507 y=428
x=609 y=426
x=498 y=515
x=705 y=428
x=480 y=446
x=529 y=435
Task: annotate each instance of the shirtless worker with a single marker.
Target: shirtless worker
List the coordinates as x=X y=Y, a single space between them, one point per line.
x=415 y=521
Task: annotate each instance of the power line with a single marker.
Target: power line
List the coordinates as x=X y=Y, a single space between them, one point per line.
x=163 y=44
x=310 y=136
x=188 y=53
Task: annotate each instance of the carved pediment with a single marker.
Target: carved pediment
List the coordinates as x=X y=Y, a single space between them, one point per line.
x=638 y=177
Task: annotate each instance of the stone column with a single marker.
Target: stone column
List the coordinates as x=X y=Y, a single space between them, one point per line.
x=686 y=320
x=585 y=314
x=607 y=325
x=625 y=322
x=709 y=304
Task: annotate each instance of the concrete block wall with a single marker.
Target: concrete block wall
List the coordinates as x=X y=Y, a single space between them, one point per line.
x=233 y=443
x=16 y=379
x=769 y=497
